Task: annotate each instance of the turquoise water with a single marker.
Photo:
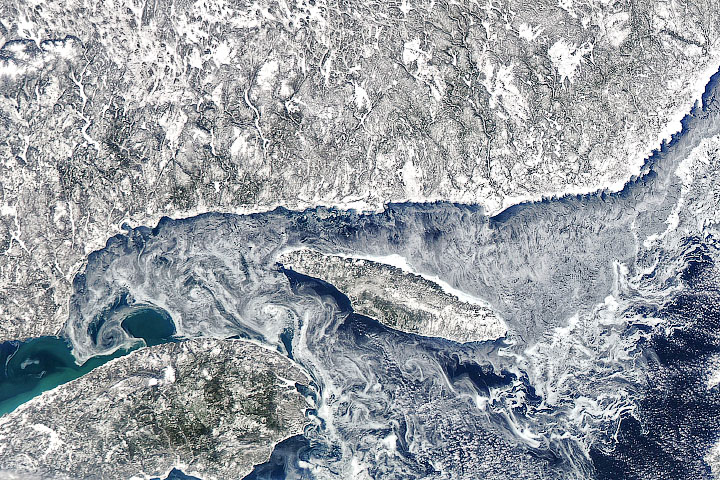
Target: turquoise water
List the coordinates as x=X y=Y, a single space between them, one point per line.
x=39 y=364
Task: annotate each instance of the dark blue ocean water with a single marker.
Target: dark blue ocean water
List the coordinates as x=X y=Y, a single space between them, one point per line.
x=284 y=461
x=176 y=474
x=678 y=418
x=152 y=325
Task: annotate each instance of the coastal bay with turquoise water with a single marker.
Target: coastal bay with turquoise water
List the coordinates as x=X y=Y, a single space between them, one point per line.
x=34 y=366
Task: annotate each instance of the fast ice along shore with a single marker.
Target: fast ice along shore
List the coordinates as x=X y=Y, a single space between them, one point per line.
x=271 y=233
x=223 y=282
x=401 y=299
x=220 y=131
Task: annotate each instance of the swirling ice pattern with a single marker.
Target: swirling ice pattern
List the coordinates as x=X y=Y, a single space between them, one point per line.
x=593 y=290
